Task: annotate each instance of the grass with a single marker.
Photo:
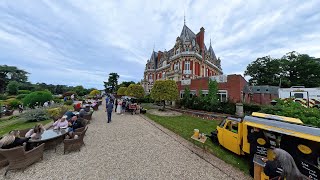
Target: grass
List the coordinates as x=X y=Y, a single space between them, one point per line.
x=184 y=125
x=16 y=123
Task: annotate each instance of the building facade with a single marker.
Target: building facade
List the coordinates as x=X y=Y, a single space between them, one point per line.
x=262 y=95
x=188 y=59
x=230 y=87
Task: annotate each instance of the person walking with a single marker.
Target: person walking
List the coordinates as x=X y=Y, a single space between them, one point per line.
x=109 y=109
x=116 y=106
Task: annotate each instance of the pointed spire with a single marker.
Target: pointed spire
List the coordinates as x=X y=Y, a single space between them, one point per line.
x=184 y=18
x=210 y=42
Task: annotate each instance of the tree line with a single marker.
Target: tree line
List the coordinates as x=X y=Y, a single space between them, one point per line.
x=13 y=79
x=292 y=69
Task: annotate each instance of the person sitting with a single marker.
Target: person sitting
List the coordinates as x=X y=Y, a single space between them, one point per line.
x=282 y=167
x=12 y=140
x=61 y=123
x=74 y=124
x=36 y=132
x=82 y=113
x=69 y=115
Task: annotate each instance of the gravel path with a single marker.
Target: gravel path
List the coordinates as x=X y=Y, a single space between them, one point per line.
x=127 y=148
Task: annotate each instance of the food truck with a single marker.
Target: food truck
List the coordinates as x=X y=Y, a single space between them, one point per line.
x=290 y=134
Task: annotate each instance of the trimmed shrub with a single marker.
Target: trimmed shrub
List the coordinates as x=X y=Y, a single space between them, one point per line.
x=35 y=115
x=249 y=108
x=95 y=92
x=14 y=104
x=12 y=87
x=57 y=100
x=11 y=97
x=21 y=96
x=58 y=112
x=24 y=92
x=68 y=102
x=3 y=97
x=39 y=97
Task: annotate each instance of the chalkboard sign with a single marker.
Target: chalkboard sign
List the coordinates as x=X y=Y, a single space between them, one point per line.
x=309 y=170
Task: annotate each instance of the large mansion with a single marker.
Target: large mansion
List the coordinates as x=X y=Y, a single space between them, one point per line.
x=188 y=59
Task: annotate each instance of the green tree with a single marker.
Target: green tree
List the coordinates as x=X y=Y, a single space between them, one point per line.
x=12 y=88
x=122 y=91
x=164 y=90
x=186 y=97
x=112 y=82
x=135 y=91
x=95 y=92
x=39 y=97
x=126 y=83
x=11 y=73
x=264 y=71
x=211 y=99
x=79 y=90
x=293 y=69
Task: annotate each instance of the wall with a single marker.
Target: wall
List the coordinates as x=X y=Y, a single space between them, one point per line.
x=234 y=86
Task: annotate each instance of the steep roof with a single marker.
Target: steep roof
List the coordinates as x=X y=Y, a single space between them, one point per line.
x=187 y=34
x=211 y=52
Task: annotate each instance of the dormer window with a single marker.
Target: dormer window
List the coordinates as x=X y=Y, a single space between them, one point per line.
x=177 y=51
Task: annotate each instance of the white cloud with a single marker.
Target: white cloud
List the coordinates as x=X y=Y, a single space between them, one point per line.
x=88 y=40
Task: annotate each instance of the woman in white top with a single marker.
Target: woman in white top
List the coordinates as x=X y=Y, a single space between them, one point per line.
x=61 y=123
x=119 y=107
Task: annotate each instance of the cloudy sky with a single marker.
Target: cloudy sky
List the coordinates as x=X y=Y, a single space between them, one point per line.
x=79 y=42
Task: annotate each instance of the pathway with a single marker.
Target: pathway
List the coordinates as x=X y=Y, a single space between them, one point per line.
x=127 y=148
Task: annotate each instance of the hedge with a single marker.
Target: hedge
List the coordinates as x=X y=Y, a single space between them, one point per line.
x=24 y=92
x=37 y=98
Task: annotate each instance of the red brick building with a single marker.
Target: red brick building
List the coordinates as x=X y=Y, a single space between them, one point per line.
x=260 y=94
x=230 y=87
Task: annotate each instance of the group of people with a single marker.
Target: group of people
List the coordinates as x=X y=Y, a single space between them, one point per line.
x=69 y=120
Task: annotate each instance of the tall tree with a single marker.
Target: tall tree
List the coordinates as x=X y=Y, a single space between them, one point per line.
x=12 y=87
x=112 y=82
x=293 y=69
x=164 y=90
x=11 y=73
x=126 y=83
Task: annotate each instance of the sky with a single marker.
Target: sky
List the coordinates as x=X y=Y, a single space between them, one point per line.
x=79 y=42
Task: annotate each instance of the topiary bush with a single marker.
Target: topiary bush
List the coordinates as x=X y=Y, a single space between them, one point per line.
x=35 y=115
x=21 y=96
x=24 y=92
x=68 y=102
x=39 y=97
x=57 y=112
x=14 y=103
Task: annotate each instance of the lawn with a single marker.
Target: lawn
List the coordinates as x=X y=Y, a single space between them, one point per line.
x=184 y=126
x=16 y=123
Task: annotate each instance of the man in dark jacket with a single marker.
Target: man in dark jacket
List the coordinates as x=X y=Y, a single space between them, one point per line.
x=109 y=109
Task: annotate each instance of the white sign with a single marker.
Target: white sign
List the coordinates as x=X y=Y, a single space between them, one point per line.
x=220 y=78
x=186 y=82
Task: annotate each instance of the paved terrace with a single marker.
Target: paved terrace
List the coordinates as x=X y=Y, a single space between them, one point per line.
x=128 y=148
